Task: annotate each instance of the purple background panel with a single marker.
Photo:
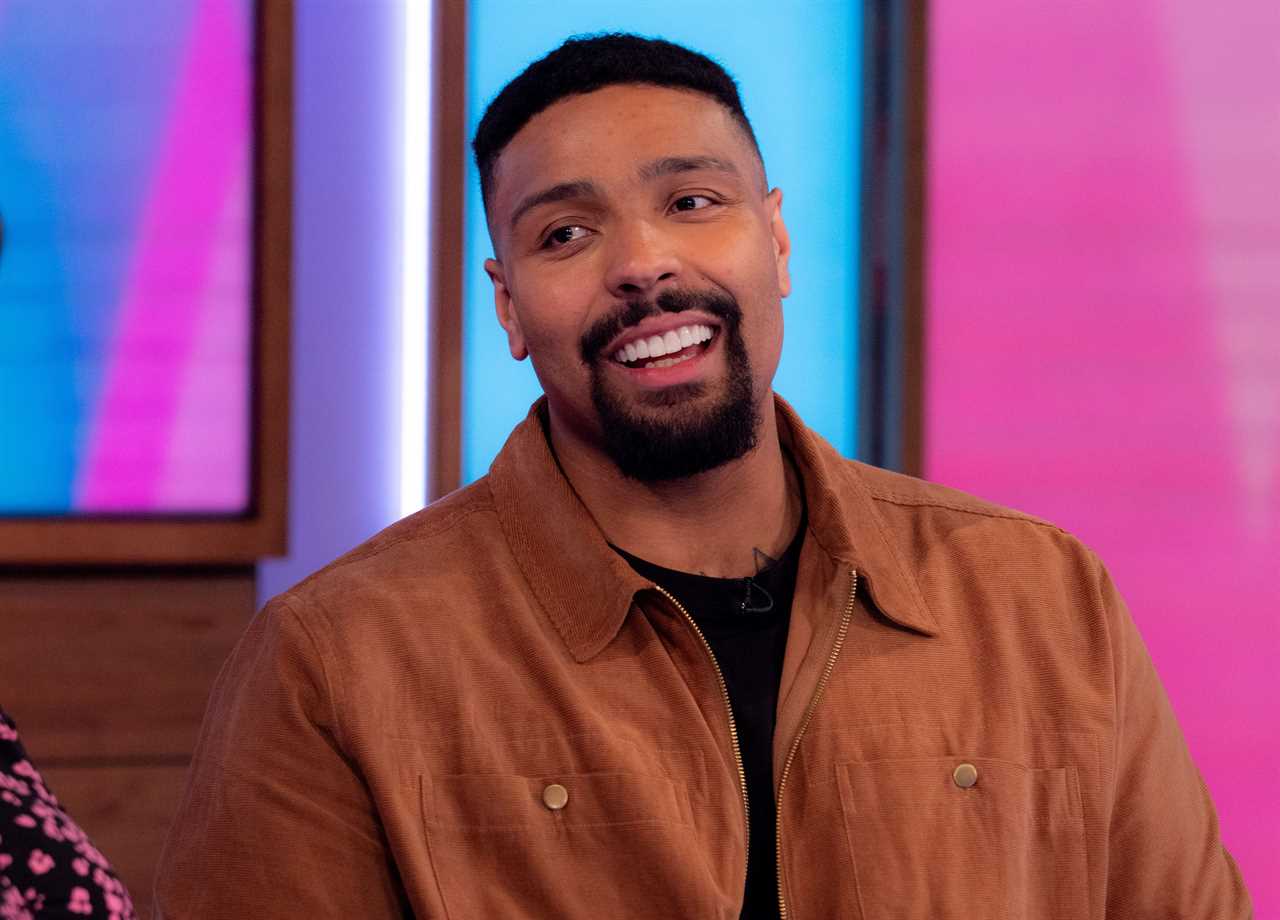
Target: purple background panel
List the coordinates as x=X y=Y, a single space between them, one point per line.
x=344 y=439
x=1103 y=332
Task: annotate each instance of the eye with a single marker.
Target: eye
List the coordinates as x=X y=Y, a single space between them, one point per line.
x=691 y=203
x=563 y=236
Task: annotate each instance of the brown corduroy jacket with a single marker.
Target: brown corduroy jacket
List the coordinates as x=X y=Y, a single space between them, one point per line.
x=484 y=713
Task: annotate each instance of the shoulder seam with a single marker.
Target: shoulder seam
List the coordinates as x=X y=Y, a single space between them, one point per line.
x=440 y=527
x=908 y=501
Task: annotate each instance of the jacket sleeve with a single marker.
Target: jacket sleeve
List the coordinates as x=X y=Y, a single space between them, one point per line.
x=1166 y=860
x=275 y=820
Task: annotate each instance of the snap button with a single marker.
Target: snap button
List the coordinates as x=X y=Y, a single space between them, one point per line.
x=555 y=797
x=965 y=775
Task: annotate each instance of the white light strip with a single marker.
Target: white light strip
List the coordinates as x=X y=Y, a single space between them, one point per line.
x=415 y=208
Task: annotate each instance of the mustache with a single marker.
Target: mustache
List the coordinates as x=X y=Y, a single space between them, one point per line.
x=632 y=313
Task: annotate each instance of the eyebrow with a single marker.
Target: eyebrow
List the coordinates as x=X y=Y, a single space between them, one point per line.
x=578 y=188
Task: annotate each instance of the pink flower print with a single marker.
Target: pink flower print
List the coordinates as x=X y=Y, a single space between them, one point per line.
x=13 y=784
x=24 y=768
x=46 y=795
x=33 y=899
x=79 y=903
x=51 y=829
x=25 y=821
x=11 y=798
x=7 y=733
x=5 y=860
x=13 y=909
x=80 y=865
x=39 y=862
x=115 y=903
x=14 y=906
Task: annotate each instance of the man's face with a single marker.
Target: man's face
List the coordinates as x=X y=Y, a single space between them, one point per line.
x=641 y=265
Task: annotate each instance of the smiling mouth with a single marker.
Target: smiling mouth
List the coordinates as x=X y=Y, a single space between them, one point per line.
x=667 y=349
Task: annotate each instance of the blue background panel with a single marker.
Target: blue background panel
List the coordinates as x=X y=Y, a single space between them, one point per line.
x=799 y=68
x=77 y=144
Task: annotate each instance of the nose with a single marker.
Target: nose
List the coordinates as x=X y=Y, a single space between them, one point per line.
x=641 y=259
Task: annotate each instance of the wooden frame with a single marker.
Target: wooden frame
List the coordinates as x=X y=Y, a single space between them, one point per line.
x=892 y=321
x=200 y=540
x=448 y=205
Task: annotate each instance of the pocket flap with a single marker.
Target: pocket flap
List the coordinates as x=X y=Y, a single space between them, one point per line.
x=1014 y=790
x=497 y=801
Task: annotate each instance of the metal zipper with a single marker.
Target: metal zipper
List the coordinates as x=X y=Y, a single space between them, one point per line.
x=733 y=726
x=808 y=716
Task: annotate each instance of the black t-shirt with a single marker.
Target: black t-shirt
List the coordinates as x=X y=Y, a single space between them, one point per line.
x=749 y=645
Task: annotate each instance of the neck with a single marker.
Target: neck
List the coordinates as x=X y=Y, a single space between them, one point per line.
x=710 y=524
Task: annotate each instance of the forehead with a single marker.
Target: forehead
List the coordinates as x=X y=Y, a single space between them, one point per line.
x=604 y=135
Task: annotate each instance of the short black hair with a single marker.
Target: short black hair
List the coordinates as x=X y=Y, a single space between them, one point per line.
x=585 y=63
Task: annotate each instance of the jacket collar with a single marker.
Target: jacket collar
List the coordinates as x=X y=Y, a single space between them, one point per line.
x=586 y=589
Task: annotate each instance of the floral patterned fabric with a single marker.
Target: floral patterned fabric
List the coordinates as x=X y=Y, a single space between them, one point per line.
x=48 y=867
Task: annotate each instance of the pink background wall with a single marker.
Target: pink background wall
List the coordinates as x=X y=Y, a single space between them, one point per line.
x=1104 y=332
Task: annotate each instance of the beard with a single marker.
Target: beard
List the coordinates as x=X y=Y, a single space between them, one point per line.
x=672 y=433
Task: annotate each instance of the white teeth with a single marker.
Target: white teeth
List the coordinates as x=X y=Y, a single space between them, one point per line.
x=658 y=345
x=667 y=362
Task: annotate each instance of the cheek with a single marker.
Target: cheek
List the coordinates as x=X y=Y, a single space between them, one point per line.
x=761 y=301
x=553 y=311
x=767 y=350
x=745 y=259
x=737 y=244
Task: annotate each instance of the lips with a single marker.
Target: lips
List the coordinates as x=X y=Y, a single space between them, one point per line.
x=665 y=349
x=642 y=334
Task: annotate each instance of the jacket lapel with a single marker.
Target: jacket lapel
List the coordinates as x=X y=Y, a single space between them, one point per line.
x=586 y=589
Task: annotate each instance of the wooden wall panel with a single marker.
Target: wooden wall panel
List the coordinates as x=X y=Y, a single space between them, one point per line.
x=126 y=811
x=116 y=666
x=107 y=674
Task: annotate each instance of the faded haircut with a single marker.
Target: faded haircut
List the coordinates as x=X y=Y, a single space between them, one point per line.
x=586 y=63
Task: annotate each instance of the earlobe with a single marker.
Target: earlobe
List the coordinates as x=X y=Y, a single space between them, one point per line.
x=781 y=242
x=506 y=309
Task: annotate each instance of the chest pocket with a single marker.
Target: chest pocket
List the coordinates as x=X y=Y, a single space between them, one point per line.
x=973 y=838
x=586 y=845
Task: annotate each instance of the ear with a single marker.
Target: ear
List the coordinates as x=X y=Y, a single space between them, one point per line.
x=781 y=240
x=506 y=309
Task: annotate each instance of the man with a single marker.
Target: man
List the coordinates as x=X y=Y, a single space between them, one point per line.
x=673 y=656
